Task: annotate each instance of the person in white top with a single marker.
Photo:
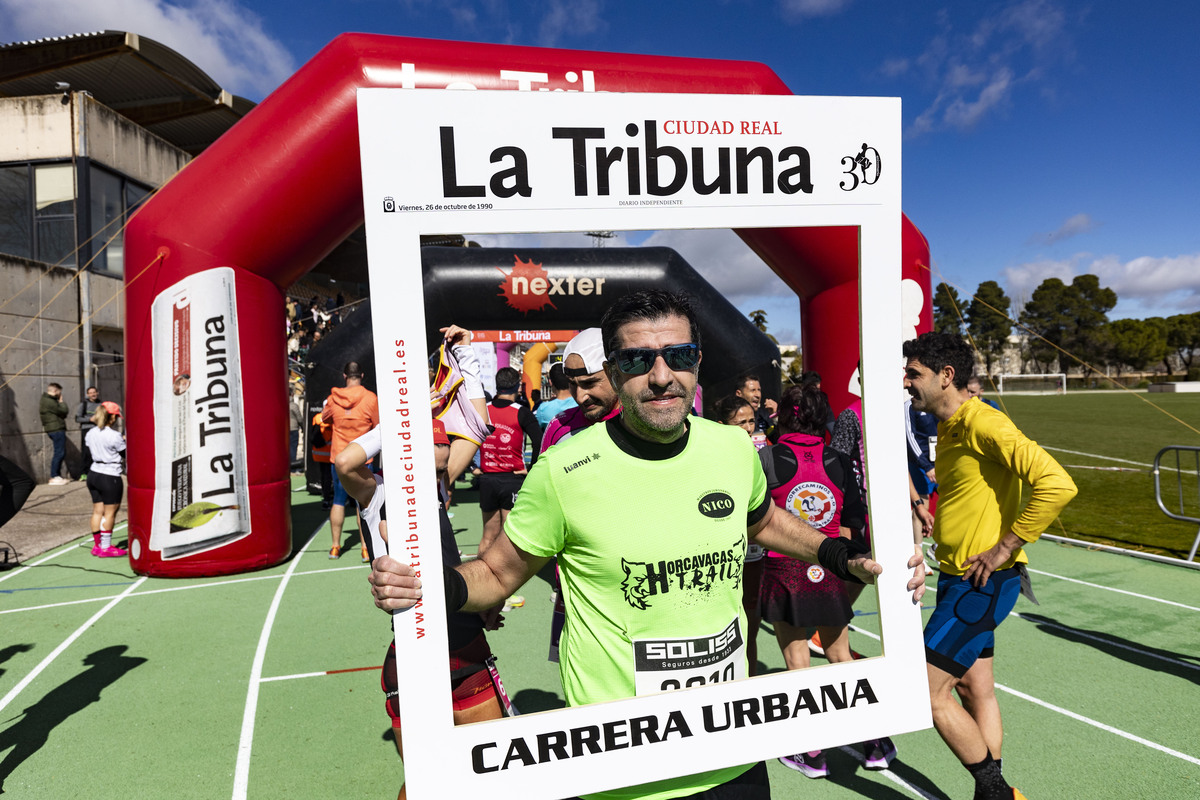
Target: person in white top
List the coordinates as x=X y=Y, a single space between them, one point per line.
x=104 y=478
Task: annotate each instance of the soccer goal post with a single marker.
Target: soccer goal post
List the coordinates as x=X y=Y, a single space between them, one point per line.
x=1039 y=383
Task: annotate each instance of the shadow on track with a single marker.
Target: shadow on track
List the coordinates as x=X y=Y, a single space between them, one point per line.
x=32 y=730
x=1136 y=653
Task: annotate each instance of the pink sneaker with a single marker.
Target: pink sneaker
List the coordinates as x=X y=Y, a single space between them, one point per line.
x=110 y=552
x=95 y=549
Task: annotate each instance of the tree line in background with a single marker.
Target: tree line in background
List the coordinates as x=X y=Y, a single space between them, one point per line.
x=1071 y=319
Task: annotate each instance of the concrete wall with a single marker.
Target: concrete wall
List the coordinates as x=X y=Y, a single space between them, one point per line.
x=41 y=127
x=34 y=128
x=121 y=145
x=39 y=306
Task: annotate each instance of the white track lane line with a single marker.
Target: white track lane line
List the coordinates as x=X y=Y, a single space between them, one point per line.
x=66 y=548
x=1102 y=726
x=181 y=589
x=1075 y=632
x=1111 y=589
x=1098 y=586
x=1078 y=717
x=48 y=660
x=1102 y=458
x=241 y=775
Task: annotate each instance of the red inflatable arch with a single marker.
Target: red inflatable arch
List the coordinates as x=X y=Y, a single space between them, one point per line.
x=209 y=257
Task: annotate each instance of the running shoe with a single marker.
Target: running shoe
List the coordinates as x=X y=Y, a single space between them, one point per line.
x=1017 y=795
x=334 y=552
x=516 y=601
x=814 y=644
x=57 y=481
x=96 y=549
x=876 y=755
x=811 y=765
x=110 y=552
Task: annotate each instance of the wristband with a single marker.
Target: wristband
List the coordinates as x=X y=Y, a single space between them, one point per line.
x=456 y=589
x=835 y=552
x=917 y=502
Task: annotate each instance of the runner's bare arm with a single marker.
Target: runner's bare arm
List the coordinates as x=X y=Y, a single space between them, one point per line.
x=498 y=572
x=786 y=533
x=489 y=579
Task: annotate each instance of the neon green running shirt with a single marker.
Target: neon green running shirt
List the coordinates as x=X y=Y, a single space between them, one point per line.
x=650 y=555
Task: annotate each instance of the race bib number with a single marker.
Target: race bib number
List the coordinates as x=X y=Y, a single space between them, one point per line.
x=662 y=665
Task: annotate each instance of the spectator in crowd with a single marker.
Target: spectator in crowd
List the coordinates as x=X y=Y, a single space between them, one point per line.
x=352 y=411
x=735 y=410
x=320 y=434
x=812 y=379
x=562 y=400
x=818 y=485
x=295 y=421
x=749 y=388
x=975 y=389
x=502 y=458
x=83 y=415
x=920 y=429
x=980 y=531
x=104 y=479
x=54 y=412
x=595 y=398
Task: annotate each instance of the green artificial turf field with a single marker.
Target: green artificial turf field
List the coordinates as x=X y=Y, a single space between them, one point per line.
x=1085 y=430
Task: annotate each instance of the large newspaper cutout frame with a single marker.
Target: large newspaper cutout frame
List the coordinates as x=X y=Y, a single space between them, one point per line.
x=492 y=162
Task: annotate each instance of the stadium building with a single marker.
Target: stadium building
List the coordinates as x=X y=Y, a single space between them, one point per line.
x=90 y=125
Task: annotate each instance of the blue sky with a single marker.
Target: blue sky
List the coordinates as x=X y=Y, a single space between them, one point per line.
x=1042 y=138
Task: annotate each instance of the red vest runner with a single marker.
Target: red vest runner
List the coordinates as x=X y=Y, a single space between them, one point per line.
x=810 y=494
x=504 y=450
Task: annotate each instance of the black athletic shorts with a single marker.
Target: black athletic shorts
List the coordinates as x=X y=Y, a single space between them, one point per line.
x=499 y=490
x=106 y=489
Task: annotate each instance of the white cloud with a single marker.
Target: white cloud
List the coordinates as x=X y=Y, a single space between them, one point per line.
x=964 y=113
x=804 y=9
x=1080 y=223
x=1145 y=286
x=894 y=67
x=224 y=39
x=569 y=18
x=975 y=73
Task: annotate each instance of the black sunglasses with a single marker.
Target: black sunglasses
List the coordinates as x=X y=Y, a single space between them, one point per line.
x=640 y=360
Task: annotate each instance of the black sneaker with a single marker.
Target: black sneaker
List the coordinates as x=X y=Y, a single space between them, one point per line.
x=811 y=765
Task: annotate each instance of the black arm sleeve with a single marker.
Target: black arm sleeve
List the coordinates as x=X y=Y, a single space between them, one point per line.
x=529 y=424
x=854 y=509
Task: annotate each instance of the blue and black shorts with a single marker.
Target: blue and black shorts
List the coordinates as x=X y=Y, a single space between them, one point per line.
x=962 y=628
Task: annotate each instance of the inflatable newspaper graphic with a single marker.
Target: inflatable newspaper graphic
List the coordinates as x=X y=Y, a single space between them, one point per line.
x=199 y=434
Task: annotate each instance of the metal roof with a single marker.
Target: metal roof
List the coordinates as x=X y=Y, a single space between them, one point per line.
x=148 y=82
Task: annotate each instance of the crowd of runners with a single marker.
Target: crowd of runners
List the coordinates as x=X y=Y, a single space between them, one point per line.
x=794 y=474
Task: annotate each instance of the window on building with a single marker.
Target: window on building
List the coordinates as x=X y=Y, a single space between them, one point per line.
x=54 y=213
x=108 y=208
x=114 y=198
x=16 y=215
